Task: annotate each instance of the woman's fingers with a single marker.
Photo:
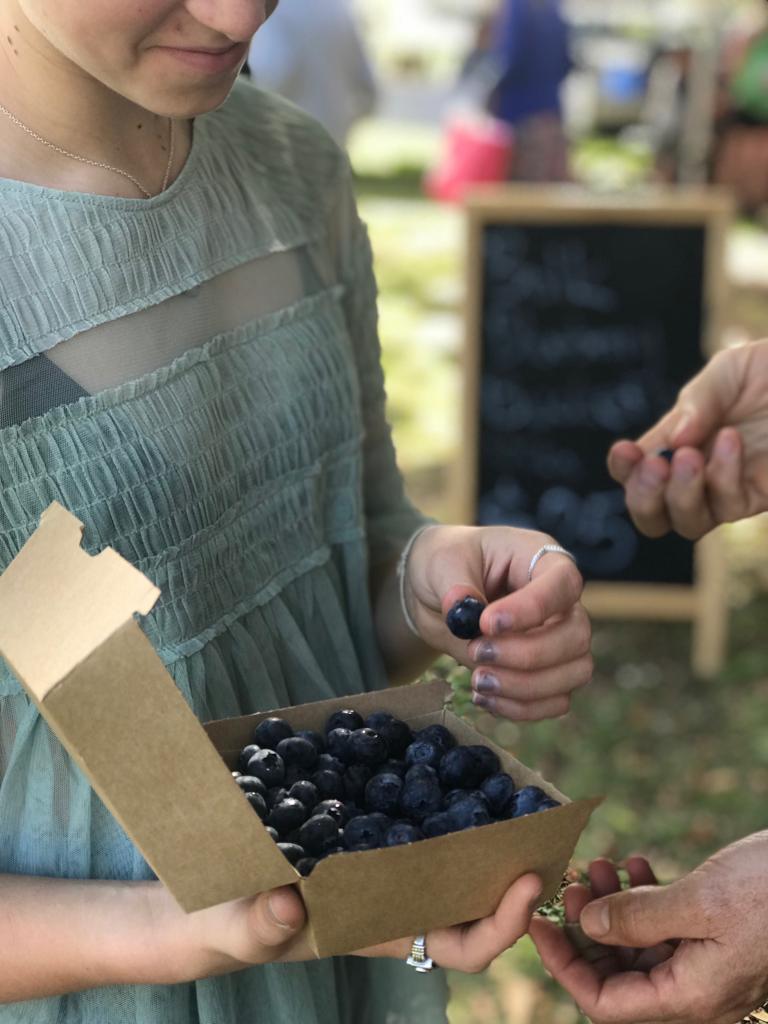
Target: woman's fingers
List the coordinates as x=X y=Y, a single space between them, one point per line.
x=623 y=458
x=686 y=495
x=725 y=478
x=556 y=587
x=645 y=495
x=472 y=947
x=559 y=642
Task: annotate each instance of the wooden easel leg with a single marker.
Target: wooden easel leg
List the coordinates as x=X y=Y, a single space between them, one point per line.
x=710 y=626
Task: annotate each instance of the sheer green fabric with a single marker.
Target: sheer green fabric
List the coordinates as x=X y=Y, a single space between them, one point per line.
x=253 y=479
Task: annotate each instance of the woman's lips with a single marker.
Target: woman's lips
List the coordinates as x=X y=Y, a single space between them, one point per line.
x=210 y=62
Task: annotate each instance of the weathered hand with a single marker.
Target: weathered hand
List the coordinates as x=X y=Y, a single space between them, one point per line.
x=719 y=432
x=535 y=648
x=690 y=953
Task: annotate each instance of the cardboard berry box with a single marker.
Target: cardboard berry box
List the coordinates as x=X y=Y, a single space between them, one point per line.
x=68 y=632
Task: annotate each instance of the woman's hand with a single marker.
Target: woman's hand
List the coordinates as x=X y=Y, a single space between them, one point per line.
x=472 y=947
x=719 y=433
x=270 y=928
x=535 y=647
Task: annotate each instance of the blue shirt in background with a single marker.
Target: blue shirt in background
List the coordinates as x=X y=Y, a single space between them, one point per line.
x=530 y=43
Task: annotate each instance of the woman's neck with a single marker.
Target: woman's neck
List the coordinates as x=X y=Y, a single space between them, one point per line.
x=60 y=103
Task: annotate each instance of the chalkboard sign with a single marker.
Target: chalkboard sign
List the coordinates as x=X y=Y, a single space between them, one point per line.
x=585 y=318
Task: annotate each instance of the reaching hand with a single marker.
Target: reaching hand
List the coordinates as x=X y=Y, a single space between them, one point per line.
x=690 y=953
x=719 y=432
x=535 y=648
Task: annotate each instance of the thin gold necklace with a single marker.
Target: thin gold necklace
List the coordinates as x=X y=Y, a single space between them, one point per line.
x=98 y=163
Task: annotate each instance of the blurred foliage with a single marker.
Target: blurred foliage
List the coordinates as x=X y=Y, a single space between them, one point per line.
x=683 y=762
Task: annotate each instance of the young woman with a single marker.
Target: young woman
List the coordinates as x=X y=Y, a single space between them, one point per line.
x=190 y=365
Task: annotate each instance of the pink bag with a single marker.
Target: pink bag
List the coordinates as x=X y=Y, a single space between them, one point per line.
x=477 y=149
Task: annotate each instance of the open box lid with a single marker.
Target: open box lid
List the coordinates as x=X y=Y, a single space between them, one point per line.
x=67 y=631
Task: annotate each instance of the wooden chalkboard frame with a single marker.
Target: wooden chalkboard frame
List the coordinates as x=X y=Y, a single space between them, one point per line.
x=705 y=603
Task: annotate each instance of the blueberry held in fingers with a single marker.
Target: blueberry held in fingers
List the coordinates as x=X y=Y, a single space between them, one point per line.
x=463 y=619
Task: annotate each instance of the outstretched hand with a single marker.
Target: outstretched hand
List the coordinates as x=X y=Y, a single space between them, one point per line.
x=718 y=431
x=689 y=953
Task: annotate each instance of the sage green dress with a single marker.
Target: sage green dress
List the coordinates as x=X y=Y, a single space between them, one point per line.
x=197 y=378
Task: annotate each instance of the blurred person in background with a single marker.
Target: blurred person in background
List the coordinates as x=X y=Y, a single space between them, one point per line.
x=692 y=952
x=740 y=160
x=312 y=53
x=530 y=42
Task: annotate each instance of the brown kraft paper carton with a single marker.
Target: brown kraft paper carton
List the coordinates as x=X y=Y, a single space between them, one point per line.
x=68 y=631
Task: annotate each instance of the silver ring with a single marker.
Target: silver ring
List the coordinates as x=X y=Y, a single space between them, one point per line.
x=419 y=958
x=548 y=549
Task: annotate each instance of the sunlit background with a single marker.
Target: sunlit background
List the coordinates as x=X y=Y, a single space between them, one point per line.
x=682 y=761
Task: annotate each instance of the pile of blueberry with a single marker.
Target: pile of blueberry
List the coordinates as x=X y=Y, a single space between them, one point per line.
x=371 y=783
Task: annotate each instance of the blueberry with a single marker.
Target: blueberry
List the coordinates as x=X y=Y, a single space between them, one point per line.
x=305 y=866
x=546 y=804
x=499 y=790
x=420 y=798
x=326 y=762
x=270 y=731
x=340 y=745
x=383 y=793
x=258 y=803
x=439 y=735
x=250 y=784
x=334 y=849
x=488 y=759
x=364 y=833
x=329 y=785
x=236 y=774
x=273 y=833
x=439 y=824
x=288 y=815
x=422 y=773
x=305 y=791
x=319 y=834
x=401 y=833
x=267 y=766
x=394 y=767
x=293 y=773
x=315 y=738
x=368 y=747
x=378 y=718
x=298 y=751
x=463 y=619
x=293 y=852
x=454 y=795
x=275 y=795
x=383 y=819
x=527 y=800
x=461 y=768
x=468 y=813
x=355 y=780
x=423 y=752
x=246 y=754
x=344 y=719
x=666 y=453
x=340 y=812
x=397 y=734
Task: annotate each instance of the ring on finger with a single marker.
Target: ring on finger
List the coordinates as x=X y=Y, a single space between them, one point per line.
x=548 y=549
x=418 y=958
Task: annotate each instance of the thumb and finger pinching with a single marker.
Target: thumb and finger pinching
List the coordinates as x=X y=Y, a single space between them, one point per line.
x=642 y=917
